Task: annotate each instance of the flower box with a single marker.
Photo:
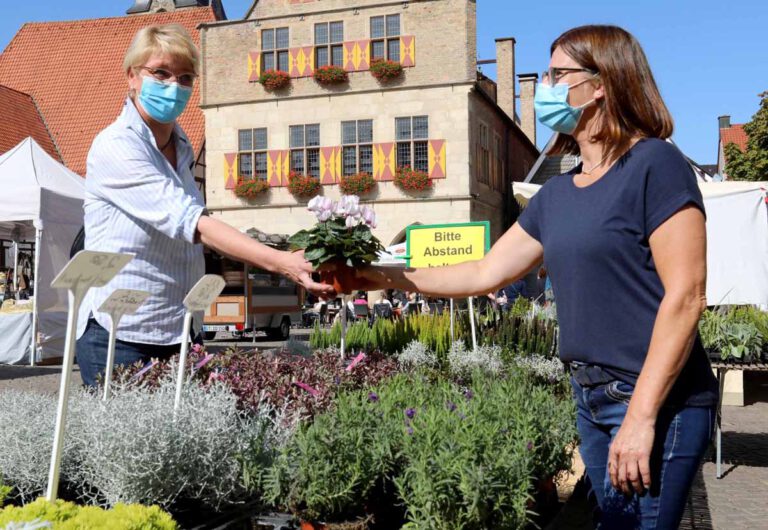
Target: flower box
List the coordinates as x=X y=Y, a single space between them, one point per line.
x=412 y=180
x=359 y=184
x=251 y=189
x=331 y=75
x=275 y=79
x=305 y=186
x=386 y=70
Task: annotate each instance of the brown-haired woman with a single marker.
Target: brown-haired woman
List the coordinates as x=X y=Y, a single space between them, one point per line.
x=624 y=243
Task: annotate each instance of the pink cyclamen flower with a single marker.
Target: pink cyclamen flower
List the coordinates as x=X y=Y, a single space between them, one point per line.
x=369 y=216
x=351 y=222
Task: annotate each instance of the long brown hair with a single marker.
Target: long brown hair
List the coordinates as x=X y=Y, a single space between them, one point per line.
x=632 y=106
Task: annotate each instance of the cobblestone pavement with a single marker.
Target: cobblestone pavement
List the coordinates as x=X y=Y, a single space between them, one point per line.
x=738 y=501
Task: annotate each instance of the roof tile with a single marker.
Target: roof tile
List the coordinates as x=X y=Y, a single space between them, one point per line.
x=20 y=118
x=734 y=134
x=73 y=70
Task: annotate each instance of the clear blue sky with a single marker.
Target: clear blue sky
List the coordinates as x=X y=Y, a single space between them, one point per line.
x=710 y=57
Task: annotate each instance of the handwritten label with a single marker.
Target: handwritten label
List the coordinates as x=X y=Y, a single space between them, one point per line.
x=307 y=388
x=124 y=302
x=204 y=292
x=144 y=370
x=90 y=269
x=355 y=362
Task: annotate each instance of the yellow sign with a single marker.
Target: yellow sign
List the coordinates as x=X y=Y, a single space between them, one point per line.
x=449 y=244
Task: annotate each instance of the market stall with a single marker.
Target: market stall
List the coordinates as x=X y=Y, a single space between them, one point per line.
x=42 y=205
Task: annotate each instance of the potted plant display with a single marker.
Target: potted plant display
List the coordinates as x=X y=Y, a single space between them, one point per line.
x=331 y=75
x=358 y=184
x=384 y=70
x=251 y=188
x=412 y=180
x=274 y=79
x=340 y=241
x=303 y=185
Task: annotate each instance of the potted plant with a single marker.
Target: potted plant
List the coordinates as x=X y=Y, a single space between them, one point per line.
x=331 y=75
x=251 y=188
x=340 y=241
x=274 y=79
x=412 y=180
x=358 y=184
x=384 y=70
x=303 y=185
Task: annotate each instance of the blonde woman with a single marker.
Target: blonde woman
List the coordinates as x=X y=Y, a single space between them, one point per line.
x=141 y=198
x=624 y=243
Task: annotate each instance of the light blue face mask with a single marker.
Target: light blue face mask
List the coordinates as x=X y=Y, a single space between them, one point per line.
x=553 y=110
x=164 y=102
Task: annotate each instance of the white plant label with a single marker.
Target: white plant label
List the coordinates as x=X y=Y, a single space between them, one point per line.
x=204 y=293
x=90 y=268
x=124 y=302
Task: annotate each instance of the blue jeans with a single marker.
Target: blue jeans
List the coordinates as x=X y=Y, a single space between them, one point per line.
x=682 y=437
x=92 y=347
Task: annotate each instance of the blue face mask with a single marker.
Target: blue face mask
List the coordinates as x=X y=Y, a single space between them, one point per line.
x=554 y=111
x=164 y=102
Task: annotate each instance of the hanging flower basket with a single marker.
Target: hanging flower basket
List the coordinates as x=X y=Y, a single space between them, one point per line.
x=359 y=184
x=412 y=180
x=251 y=189
x=331 y=75
x=386 y=70
x=275 y=79
x=304 y=186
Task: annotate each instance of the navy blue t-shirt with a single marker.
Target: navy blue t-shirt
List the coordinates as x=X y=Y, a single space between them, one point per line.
x=597 y=254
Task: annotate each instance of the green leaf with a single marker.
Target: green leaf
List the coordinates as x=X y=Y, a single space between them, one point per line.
x=299 y=240
x=315 y=254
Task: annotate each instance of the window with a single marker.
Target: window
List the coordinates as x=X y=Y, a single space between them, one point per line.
x=357 y=154
x=484 y=155
x=252 y=153
x=305 y=149
x=274 y=49
x=329 y=44
x=498 y=170
x=385 y=38
x=412 y=142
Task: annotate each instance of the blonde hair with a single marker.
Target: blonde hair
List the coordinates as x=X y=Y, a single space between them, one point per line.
x=171 y=39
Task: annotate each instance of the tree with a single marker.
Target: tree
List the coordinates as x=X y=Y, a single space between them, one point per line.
x=751 y=164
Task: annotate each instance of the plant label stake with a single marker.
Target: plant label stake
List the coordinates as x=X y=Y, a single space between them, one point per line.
x=472 y=322
x=87 y=269
x=200 y=298
x=121 y=302
x=453 y=334
x=343 y=324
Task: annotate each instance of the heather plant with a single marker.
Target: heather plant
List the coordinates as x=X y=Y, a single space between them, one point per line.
x=417 y=356
x=463 y=361
x=26 y=436
x=61 y=515
x=136 y=448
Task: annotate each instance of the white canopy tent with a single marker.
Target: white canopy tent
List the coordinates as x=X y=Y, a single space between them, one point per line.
x=737 y=239
x=42 y=201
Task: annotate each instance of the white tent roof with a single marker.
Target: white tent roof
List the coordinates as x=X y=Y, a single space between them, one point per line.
x=29 y=176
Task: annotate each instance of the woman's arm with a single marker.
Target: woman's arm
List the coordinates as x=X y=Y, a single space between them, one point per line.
x=510 y=258
x=230 y=242
x=679 y=248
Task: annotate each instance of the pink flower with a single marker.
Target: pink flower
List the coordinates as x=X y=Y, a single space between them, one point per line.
x=369 y=216
x=351 y=222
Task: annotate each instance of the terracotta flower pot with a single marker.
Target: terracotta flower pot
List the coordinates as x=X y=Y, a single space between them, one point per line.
x=340 y=275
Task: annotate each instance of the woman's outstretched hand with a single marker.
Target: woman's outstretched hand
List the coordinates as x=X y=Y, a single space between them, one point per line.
x=293 y=266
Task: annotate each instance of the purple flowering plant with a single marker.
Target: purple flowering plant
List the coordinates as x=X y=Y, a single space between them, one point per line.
x=342 y=233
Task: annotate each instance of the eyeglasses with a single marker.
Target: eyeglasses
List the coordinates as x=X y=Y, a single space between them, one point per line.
x=552 y=75
x=164 y=75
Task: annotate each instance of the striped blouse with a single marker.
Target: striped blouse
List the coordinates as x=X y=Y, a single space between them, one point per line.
x=136 y=202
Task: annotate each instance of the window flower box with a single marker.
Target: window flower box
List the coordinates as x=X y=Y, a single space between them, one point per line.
x=331 y=75
x=412 y=180
x=251 y=189
x=275 y=79
x=386 y=70
x=358 y=184
x=304 y=186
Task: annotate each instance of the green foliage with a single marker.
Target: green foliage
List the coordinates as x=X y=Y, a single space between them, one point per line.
x=332 y=240
x=4 y=491
x=391 y=336
x=458 y=457
x=69 y=516
x=737 y=333
x=521 y=330
x=751 y=164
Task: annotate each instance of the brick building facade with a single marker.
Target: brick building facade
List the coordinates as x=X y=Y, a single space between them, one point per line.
x=440 y=116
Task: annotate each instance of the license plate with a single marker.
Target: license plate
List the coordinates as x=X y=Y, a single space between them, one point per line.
x=214 y=328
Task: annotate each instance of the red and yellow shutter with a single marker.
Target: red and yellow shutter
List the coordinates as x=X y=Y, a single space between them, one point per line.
x=408 y=50
x=293 y=62
x=364 y=47
x=254 y=66
x=274 y=165
x=349 y=56
x=338 y=151
x=309 y=60
x=286 y=166
x=230 y=171
x=437 y=169
x=384 y=161
x=327 y=162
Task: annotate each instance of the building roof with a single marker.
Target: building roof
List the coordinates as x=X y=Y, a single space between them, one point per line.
x=20 y=119
x=734 y=134
x=73 y=70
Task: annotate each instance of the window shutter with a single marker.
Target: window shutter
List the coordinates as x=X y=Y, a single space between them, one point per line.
x=364 y=47
x=309 y=60
x=293 y=62
x=286 y=166
x=408 y=51
x=230 y=171
x=349 y=56
x=384 y=161
x=437 y=159
x=274 y=163
x=327 y=163
x=254 y=66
